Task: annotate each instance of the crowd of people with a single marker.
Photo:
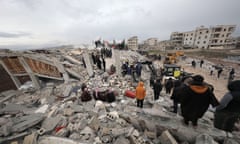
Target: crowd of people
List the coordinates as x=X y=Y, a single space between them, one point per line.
x=191 y=94
x=195 y=96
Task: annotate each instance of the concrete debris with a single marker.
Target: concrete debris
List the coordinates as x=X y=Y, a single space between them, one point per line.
x=4 y=96
x=24 y=122
x=167 y=138
x=57 y=140
x=55 y=113
x=30 y=139
x=203 y=138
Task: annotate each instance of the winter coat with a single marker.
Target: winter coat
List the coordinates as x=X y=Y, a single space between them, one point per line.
x=157 y=87
x=178 y=85
x=140 y=91
x=195 y=99
x=169 y=84
x=228 y=112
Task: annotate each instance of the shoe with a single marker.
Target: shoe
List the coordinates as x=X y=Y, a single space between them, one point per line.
x=185 y=123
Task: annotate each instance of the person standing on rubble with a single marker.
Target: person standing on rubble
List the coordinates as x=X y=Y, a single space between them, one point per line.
x=219 y=72
x=231 y=75
x=93 y=58
x=194 y=64
x=169 y=85
x=140 y=94
x=201 y=63
x=174 y=96
x=104 y=64
x=227 y=114
x=99 y=63
x=138 y=69
x=157 y=88
x=195 y=99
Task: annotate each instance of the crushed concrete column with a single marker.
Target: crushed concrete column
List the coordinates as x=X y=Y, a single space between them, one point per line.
x=61 y=70
x=117 y=61
x=34 y=78
x=88 y=63
x=14 y=78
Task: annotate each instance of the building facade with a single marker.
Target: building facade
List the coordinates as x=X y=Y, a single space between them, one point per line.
x=209 y=38
x=151 y=42
x=132 y=43
x=189 y=38
x=177 y=38
x=220 y=35
x=202 y=37
x=165 y=45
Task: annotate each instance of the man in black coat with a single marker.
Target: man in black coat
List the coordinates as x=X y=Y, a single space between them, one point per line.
x=228 y=112
x=169 y=85
x=195 y=99
x=157 y=88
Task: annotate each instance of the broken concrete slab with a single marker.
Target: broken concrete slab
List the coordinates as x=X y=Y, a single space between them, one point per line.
x=167 y=138
x=13 y=137
x=13 y=109
x=50 y=123
x=30 y=139
x=94 y=123
x=67 y=91
x=122 y=140
x=204 y=138
x=72 y=59
x=24 y=122
x=6 y=95
x=57 y=140
x=88 y=64
x=74 y=74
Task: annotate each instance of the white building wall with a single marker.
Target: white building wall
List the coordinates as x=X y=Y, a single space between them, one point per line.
x=189 y=38
x=202 y=38
x=220 y=34
x=133 y=43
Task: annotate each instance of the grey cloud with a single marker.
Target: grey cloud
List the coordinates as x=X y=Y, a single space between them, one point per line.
x=13 y=35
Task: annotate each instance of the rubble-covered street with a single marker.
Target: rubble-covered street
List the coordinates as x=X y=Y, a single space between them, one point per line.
x=47 y=108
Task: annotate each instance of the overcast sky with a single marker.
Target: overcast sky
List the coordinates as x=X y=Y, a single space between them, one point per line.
x=43 y=23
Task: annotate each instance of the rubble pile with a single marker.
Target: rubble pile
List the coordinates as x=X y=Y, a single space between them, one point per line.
x=55 y=114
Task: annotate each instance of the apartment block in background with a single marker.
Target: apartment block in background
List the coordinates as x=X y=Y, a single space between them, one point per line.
x=189 y=38
x=202 y=37
x=132 y=43
x=220 y=35
x=177 y=38
x=151 y=43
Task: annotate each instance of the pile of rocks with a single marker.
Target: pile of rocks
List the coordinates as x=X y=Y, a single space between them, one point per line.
x=54 y=114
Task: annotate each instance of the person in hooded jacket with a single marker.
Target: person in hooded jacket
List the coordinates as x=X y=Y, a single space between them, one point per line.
x=140 y=94
x=195 y=99
x=228 y=112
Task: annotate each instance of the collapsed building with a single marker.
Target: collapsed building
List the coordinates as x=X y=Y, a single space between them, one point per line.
x=45 y=107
